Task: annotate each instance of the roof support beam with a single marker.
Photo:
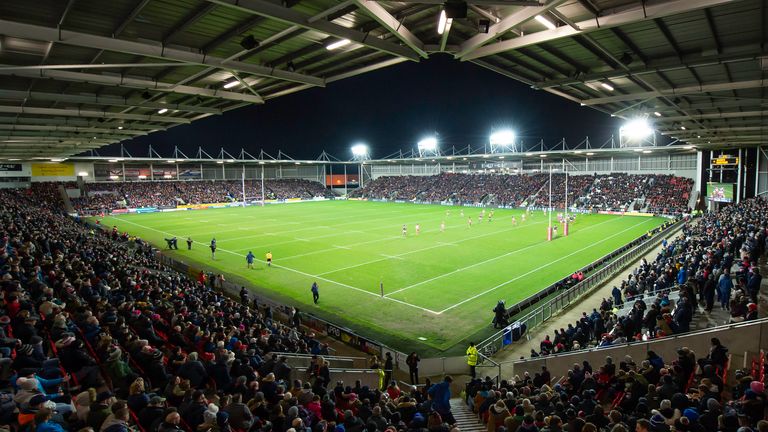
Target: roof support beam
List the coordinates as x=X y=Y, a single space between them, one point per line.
x=640 y=13
x=237 y=30
x=73 y=122
x=378 y=13
x=101 y=100
x=117 y=81
x=29 y=31
x=95 y=114
x=289 y=16
x=725 y=115
x=678 y=91
x=27 y=127
x=189 y=20
x=502 y=27
x=661 y=65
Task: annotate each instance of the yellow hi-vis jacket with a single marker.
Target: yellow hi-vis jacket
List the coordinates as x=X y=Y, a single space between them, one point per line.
x=472 y=356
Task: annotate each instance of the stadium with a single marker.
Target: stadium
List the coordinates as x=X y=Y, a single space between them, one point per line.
x=383 y=216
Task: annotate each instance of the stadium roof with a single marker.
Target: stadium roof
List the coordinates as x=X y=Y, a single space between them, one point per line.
x=80 y=74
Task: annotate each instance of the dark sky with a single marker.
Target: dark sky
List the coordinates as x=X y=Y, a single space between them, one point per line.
x=389 y=109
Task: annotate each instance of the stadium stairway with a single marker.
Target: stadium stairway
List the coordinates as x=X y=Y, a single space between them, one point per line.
x=65 y=199
x=465 y=418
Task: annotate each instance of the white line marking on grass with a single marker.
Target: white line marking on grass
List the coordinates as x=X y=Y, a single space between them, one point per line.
x=392 y=257
x=424 y=249
x=516 y=251
x=301 y=239
x=447 y=243
x=342 y=247
x=537 y=269
x=319 y=277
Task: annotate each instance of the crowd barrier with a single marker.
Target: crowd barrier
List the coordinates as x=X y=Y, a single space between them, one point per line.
x=743 y=340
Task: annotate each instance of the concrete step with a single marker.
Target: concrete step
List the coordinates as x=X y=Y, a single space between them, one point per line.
x=465 y=418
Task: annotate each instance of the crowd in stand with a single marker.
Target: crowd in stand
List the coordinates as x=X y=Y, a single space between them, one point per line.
x=652 y=394
x=97 y=335
x=99 y=197
x=668 y=192
x=616 y=192
x=713 y=262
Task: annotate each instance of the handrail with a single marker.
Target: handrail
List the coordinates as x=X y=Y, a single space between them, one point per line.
x=493 y=364
x=354 y=370
x=631 y=343
x=326 y=357
x=541 y=314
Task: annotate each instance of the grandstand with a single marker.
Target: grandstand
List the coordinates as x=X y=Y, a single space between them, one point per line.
x=601 y=286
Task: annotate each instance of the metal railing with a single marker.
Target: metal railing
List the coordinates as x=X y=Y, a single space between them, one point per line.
x=541 y=314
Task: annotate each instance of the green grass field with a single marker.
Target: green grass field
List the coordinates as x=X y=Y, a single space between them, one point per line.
x=439 y=287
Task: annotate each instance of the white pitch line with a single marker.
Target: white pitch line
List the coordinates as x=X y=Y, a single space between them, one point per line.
x=537 y=269
x=516 y=251
x=392 y=257
x=342 y=247
x=319 y=277
x=427 y=248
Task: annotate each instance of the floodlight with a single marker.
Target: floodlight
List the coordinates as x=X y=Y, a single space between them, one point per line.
x=428 y=144
x=231 y=84
x=359 y=150
x=163 y=111
x=338 y=44
x=607 y=86
x=636 y=130
x=657 y=114
x=503 y=139
x=544 y=21
x=442 y=22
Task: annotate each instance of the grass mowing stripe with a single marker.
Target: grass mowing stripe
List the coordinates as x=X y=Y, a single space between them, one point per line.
x=537 y=269
x=516 y=251
x=424 y=249
x=298 y=271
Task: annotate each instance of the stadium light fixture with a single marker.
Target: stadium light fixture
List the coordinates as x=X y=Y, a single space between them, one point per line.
x=360 y=152
x=636 y=130
x=443 y=22
x=120 y=128
x=163 y=111
x=689 y=147
x=682 y=127
x=542 y=156
x=428 y=147
x=429 y=143
x=504 y=139
x=657 y=114
x=112 y=160
x=338 y=44
x=545 y=22
x=114 y=177
x=231 y=84
x=607 y=86
x=219 y=161
x=647 y=151
x=142 y=177
x=590 y=154
x=171 y=161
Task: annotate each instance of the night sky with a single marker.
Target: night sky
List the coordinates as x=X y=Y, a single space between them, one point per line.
x=389 y=109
